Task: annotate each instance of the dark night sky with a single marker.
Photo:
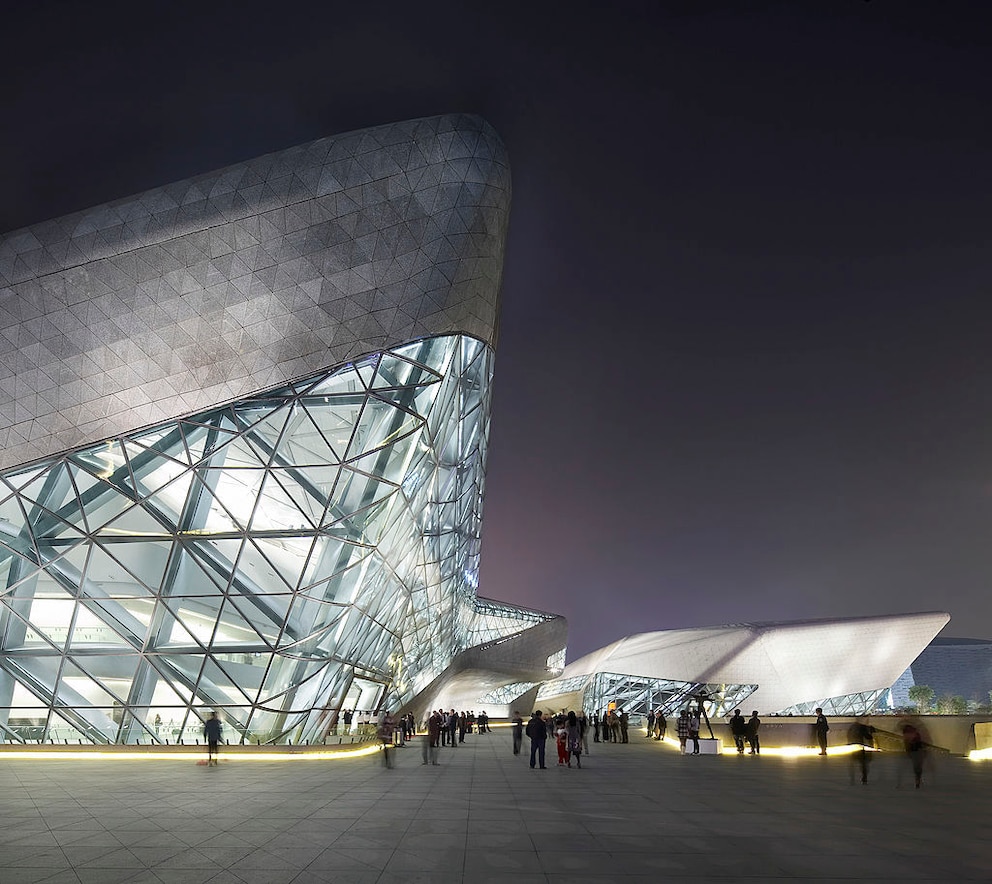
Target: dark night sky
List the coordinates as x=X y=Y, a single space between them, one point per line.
x=744 y=370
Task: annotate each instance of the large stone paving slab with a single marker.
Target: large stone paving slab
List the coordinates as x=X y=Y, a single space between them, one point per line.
x=639 y=812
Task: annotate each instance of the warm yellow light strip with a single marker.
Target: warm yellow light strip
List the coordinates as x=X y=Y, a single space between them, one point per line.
x=311 y=755
x=785 y=751
x=980 y=755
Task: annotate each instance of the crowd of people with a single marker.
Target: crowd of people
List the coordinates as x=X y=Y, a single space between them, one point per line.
x=569 y=731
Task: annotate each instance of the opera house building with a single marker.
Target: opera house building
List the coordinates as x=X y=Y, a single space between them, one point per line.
x=244 y=421
x=243 y=432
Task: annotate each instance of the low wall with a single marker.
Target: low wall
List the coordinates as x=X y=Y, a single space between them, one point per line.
x=956 y=734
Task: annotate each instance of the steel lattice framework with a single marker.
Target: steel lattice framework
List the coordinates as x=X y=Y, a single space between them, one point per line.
x=277 y=559
x=640 y=696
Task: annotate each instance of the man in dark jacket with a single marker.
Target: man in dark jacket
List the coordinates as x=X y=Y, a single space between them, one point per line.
x=212 y=731
x=820 y=726
x=538 y=733
x=518 y=732
x=753 y=723
x=738 y=727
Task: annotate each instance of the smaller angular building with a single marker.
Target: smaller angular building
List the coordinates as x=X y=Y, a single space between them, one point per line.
x=844 y=666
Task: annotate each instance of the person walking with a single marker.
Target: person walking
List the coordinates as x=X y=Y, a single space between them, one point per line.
x=212 y=733
x=595 y=726
x=537 y=731
x=753 y=723
x=916 y=750
x=861 y=734
x=432 y=738
x=386 y=726
x=821 y=726
x=518 y=732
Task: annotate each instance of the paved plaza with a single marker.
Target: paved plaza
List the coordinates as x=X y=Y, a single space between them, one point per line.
x=637 y=812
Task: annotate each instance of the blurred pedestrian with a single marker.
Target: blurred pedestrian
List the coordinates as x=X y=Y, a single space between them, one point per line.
x=862 y=735
x=916 y=751
x=212 y=732
x=518 y=732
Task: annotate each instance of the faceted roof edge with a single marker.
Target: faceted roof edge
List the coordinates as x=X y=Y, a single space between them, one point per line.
x=153 y=306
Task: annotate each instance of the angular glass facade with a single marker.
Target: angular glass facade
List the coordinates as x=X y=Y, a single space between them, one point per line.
x=277 y=559
x=638 y=695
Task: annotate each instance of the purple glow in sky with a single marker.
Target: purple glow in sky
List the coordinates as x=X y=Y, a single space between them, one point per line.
x=744 y=370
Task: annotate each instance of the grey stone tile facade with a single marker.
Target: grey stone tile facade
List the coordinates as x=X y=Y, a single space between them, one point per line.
x=154 y=306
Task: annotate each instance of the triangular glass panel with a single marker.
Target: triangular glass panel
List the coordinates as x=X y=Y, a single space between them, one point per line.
x=220 y=493
x=12 y=518
x=276 y=510
x=355 y=492
x=90 y=633
x=309 y=489
x=183 y=670
x=395 y=371
x=216 y=682
x=169 y=503
x=57 y=536
x=237 y=453
x=264 y=428
x=129 y=569
x=118 y=617
x=270 y=565
x=167 y=696
x=23 y=478
x=266 y=615
x=303 y=443
x=336 y=418
x=201 y=441
x=104 y=506
x=133 y=525
x=379 y=424
x=235 y=634
x=191 y=575
x=51 y=615
x=391 y=463
x=152 y=470
x=114 y=684
x=345 y=381
x=49 y=490
x=193 y=625
x=107 y=462
x=165 y=441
